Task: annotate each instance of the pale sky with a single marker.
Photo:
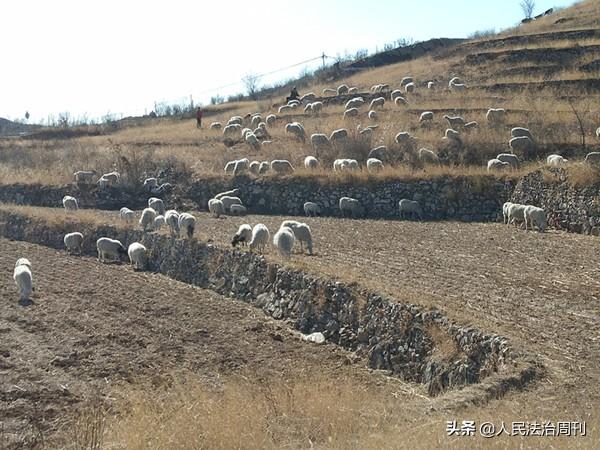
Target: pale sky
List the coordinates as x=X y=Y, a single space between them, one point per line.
x=121 y=56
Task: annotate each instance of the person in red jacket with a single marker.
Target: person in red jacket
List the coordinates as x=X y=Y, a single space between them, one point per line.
x=199 y=118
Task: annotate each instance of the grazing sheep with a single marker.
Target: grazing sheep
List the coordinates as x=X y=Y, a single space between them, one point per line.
x=260 y=237
x=352 y=112
x=301 y=232
x=216 y=208
x=505 y=208
x=311 y=163
x=70 y=203
x=377 y=103
x=238 y=210
x=252 y=141
x=522 y=144
x=84 y=176
x=403 y=138
x=254 y=167
x=228 y=201
x=282 y=166
x=284 y=242
x=186 y=222
x=241 y=167
x=316 y=107
x=598 y=132
x=430 y=85
x=147 y=219
x=312 y=209
x=521 y=132
x=232 y=129
x=352 y=206
x=232 y=193
x=428 y=156
x=342 y=89
x=454 y=80
x=592 y=158
x=400 y=101
x=469 y=126
x=535 y=217
x=378 y=152
x=150 y=184
x=329 y=91
x=164 y=188
x=74 y=242
x=516 y=213
x=243 y=235
x=297 y=130
x=172 y=220
x=496 y=164
x=338 y=135
x=356 y=103
x=395 y=94
x=157 y=205
x=406 y=80
x=255 y=121
x=426 y=117
x=455 y=122
x=23 y=279
x=159 y=222
x=457 y=87
x=138 y=255
x=340 y=165
x=495 y=116
x=452 y=134
x=216 y=126
x=126 y=215
x=110 y=179
x=374 y=165
x=284 y=108
x=235 y=120
x=319 y=140
x=310 y=97
x=410 y=87
x=352 y=90
x=264 y=167
x=372 y=115
x=513 y=160
x=270 y=119
x=556 y=160
x=410 y=207
x=109 y=248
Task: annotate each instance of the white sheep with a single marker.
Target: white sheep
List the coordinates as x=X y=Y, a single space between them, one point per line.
x=395 y=94
x=505 y=208
x=452 y=135
x=350 y=113
x=410 y=87
x=513 y=160
x=215 y=207
x=254 y=167
x=342 y=89
x=301 y=232
x=430 y=85
x=252 y=141
x=410 y=207
x=74 y=242
x=216 y=126
x=374 y=165
x=157 y=205
x=329 y=91
x=150 y=184
x=229 y=200
x=284 y=242
x=264 y=167
x=520 y=144
x=319 y=140
x=147 y=219
x=592 y=158
x=311 y=209
x=84 y=176
x=284 y=108
x=377 y=103
x=496 y=164
x=426 y=116
x=338 y=135
x=241 y=167
x=70 y=203
x=535 y=217
x=356 y=102
x=172 y=220
x=378 y=152
x=400 y=101
x=282 y=166
x=455 y=121
x=159 y=222
x=520 y=132
x=469 y=126
x=297 y=130
x=232 y=129
x=243 y=235
x=23 y=278
x=458 y=87
x=311 y=163
x=235 y=120
x=428 y=156
x=138 y=255
x=556 y=160
x=186 y=222
x=403 y=138
x=238 y=210
x=109 y=180
x=259 y=238
x=516 y=213
x=231 y=193
x=109 y=248
x=372 y=115
x=406 y=80
x=598 y=132
x=270 y=119
x=162 y=189
x=454 y=80
x=350 y=205
x=344 y=164
x=495 y=116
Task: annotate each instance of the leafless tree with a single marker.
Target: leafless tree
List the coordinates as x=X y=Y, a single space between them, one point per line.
x=251 y=83
x=527 y=6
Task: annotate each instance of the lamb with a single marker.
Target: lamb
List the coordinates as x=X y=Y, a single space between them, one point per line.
x=297 y=130
x=535 y=217
x=215 y=207
x=520 y=132
x=186 y=222
x=150 y=184
x=505 y=208
x=496 y=164
x=338 y=135
x=592 y=158
x=455 y=122
x=157 y=205
x=260 y=237
x=410 y=207
x=284 y=242
x=516 y=213
x=241 y=167
x=172 y=220
x=270 y=119
x=69 y=203
x=74 y=242
x=216 y=126
x=237 y=210
x=23 y=279
x=356 y=102
x=513 y=160
x=377 y=103
x=352 y=206
x=520 y=144
x=230 y=200
x=342 y=89
x=426 y=116
x=556 y=160
x=159 y=222
x=319 y=140
x=428 y=156
x=400 y=101
x=232 y=129
x=243 y=235
x=374 y=165
x=281 y=166
x=233 y=192
x=138 y=255
x=378 y=152
x=495 y=116
x=84 y=176
x=147 y=219
x=109 y=248
x=352 y=112
x=301 y=232
x=312 y=209
x=410 y=87
x=311 y=163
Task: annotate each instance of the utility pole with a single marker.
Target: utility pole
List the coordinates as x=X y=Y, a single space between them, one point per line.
x=191 y=102
x=323 y=57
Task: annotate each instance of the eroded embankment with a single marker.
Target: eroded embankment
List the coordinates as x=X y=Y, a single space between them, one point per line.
x=417 y=345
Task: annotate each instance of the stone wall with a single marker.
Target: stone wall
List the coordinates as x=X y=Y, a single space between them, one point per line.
x=398 y=337
x=575 y=209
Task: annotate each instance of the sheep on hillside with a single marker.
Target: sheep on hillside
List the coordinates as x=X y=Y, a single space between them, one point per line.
x=84 y=176
x=342 y=89
x=311 y=209
x=70 y=203
x=150 y=184
x=260 y=237
x=311 y=163
x=109 y=249
x=592 y=158
x=520 y=132
x=495 y=116
x=157 y=205
x=159 y=222
x=284 y=242
x=377 y=103
x=147 y=219
x=535 y=218
x=350 y=113
x=243 y=235
x=426 y=117
x=138 y=255
x=410 y=87
x=282 y=167
x=23 y=279
x=215 y=126
x=516 y=213
x=301 y=232
x=556 y=160
x=428 y=156
x=215 y=206
x=297 y=130
x=410 y=207
x=400 y=101
x=496 y=164
x=338 y=135
x=231 y=193
x=513 y=160
x=172 y=220
x=521 y=144
x=351 y=206
x=237 y=210
x=354 y=103
x=187 y=223
x=319 y=141
x=230 y=200
x=455 y=122
x=374 y=165
x=74 y=242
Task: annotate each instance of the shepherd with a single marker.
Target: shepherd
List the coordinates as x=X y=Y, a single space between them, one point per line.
x=199 y=117
x=293 y=95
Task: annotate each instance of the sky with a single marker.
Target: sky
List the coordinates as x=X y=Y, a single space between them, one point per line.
x=119 y=57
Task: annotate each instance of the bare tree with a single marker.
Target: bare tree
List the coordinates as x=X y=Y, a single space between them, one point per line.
x=579 y=118
x=251 y=82
x=527 y=6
